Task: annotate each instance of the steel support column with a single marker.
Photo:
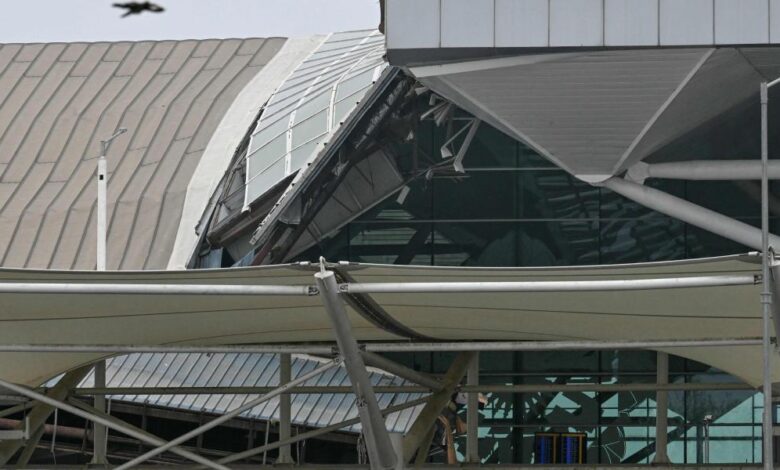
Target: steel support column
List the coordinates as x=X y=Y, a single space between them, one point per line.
x=436 y=403
x=690 y=213
x=472 y=413
x=285 y=409
x=42 y=410
x=661 y=409
x=380 y=449
x=228 y=416
x=100 y=438
x=766 y=292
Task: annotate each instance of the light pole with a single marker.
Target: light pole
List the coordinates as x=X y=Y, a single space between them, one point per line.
x=102 y=183
x=766 y=293
x=100 y=437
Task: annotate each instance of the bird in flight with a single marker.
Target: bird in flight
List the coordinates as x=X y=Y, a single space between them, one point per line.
x=135 y=8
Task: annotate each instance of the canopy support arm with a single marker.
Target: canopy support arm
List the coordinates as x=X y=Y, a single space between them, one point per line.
x=690 y=213
x=381 y=362
x=703 y=170
x=380 y=448
x=436 y=403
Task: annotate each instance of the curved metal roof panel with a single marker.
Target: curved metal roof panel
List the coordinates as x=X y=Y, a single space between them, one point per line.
x=57 y=101
x=249 y=370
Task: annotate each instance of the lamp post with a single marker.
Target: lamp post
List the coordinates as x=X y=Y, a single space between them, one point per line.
x=100 y=437
x=766 y=293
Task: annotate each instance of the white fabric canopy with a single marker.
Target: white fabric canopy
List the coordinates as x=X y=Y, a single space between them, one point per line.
x=145 y=319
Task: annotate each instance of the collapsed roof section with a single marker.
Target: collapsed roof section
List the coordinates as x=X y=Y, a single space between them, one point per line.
x=310 y=105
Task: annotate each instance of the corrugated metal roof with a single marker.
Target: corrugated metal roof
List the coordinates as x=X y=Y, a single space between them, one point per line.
x=310 y=104
x=249 y=370
x=57 y=101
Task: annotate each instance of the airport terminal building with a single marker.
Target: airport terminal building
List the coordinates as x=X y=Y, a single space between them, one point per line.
x=496 y=232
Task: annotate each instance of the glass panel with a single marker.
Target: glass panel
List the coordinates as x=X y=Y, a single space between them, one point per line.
x=313 y=105
x=267 y=179
x=351 y=85
x=342 y=108
x=269 y=132
x=305 y=131
x=301 y=155
x=400 y=243
x=475 y=195
x=554 y=194
x=648 y=238
x=516 y=243
x=416 y=205
x=615 y=206
x=267 y=155
x=490 y=148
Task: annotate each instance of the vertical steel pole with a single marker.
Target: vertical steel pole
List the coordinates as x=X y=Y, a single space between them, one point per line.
x=766 y=293
x=472 y=413
x=380 y=448
x=100 y=438
x=285 y=404
x=661 y=409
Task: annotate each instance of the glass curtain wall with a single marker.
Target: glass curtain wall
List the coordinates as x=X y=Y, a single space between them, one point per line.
x=513 y=208
x=620 y=426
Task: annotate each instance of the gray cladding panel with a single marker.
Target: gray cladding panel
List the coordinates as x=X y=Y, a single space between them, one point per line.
x=58 y=101
x=702 y=99
x=583 y=110
x=441 y=24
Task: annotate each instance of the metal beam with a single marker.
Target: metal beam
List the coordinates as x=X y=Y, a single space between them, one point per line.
x=661 y=409
x=550 y=286
x=398 y=287
x=328 y=349
x=381 y=362
x=151 y=289
x=690 y=213
x=229 y=415
x=425 y=420
x=42 y=410
x=15 y=409
x=484 y=388
x=317 y=432
x=110 y=423
x=380 y=449
x=703 y=170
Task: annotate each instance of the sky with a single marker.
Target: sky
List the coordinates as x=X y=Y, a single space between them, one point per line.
x=97 y=20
